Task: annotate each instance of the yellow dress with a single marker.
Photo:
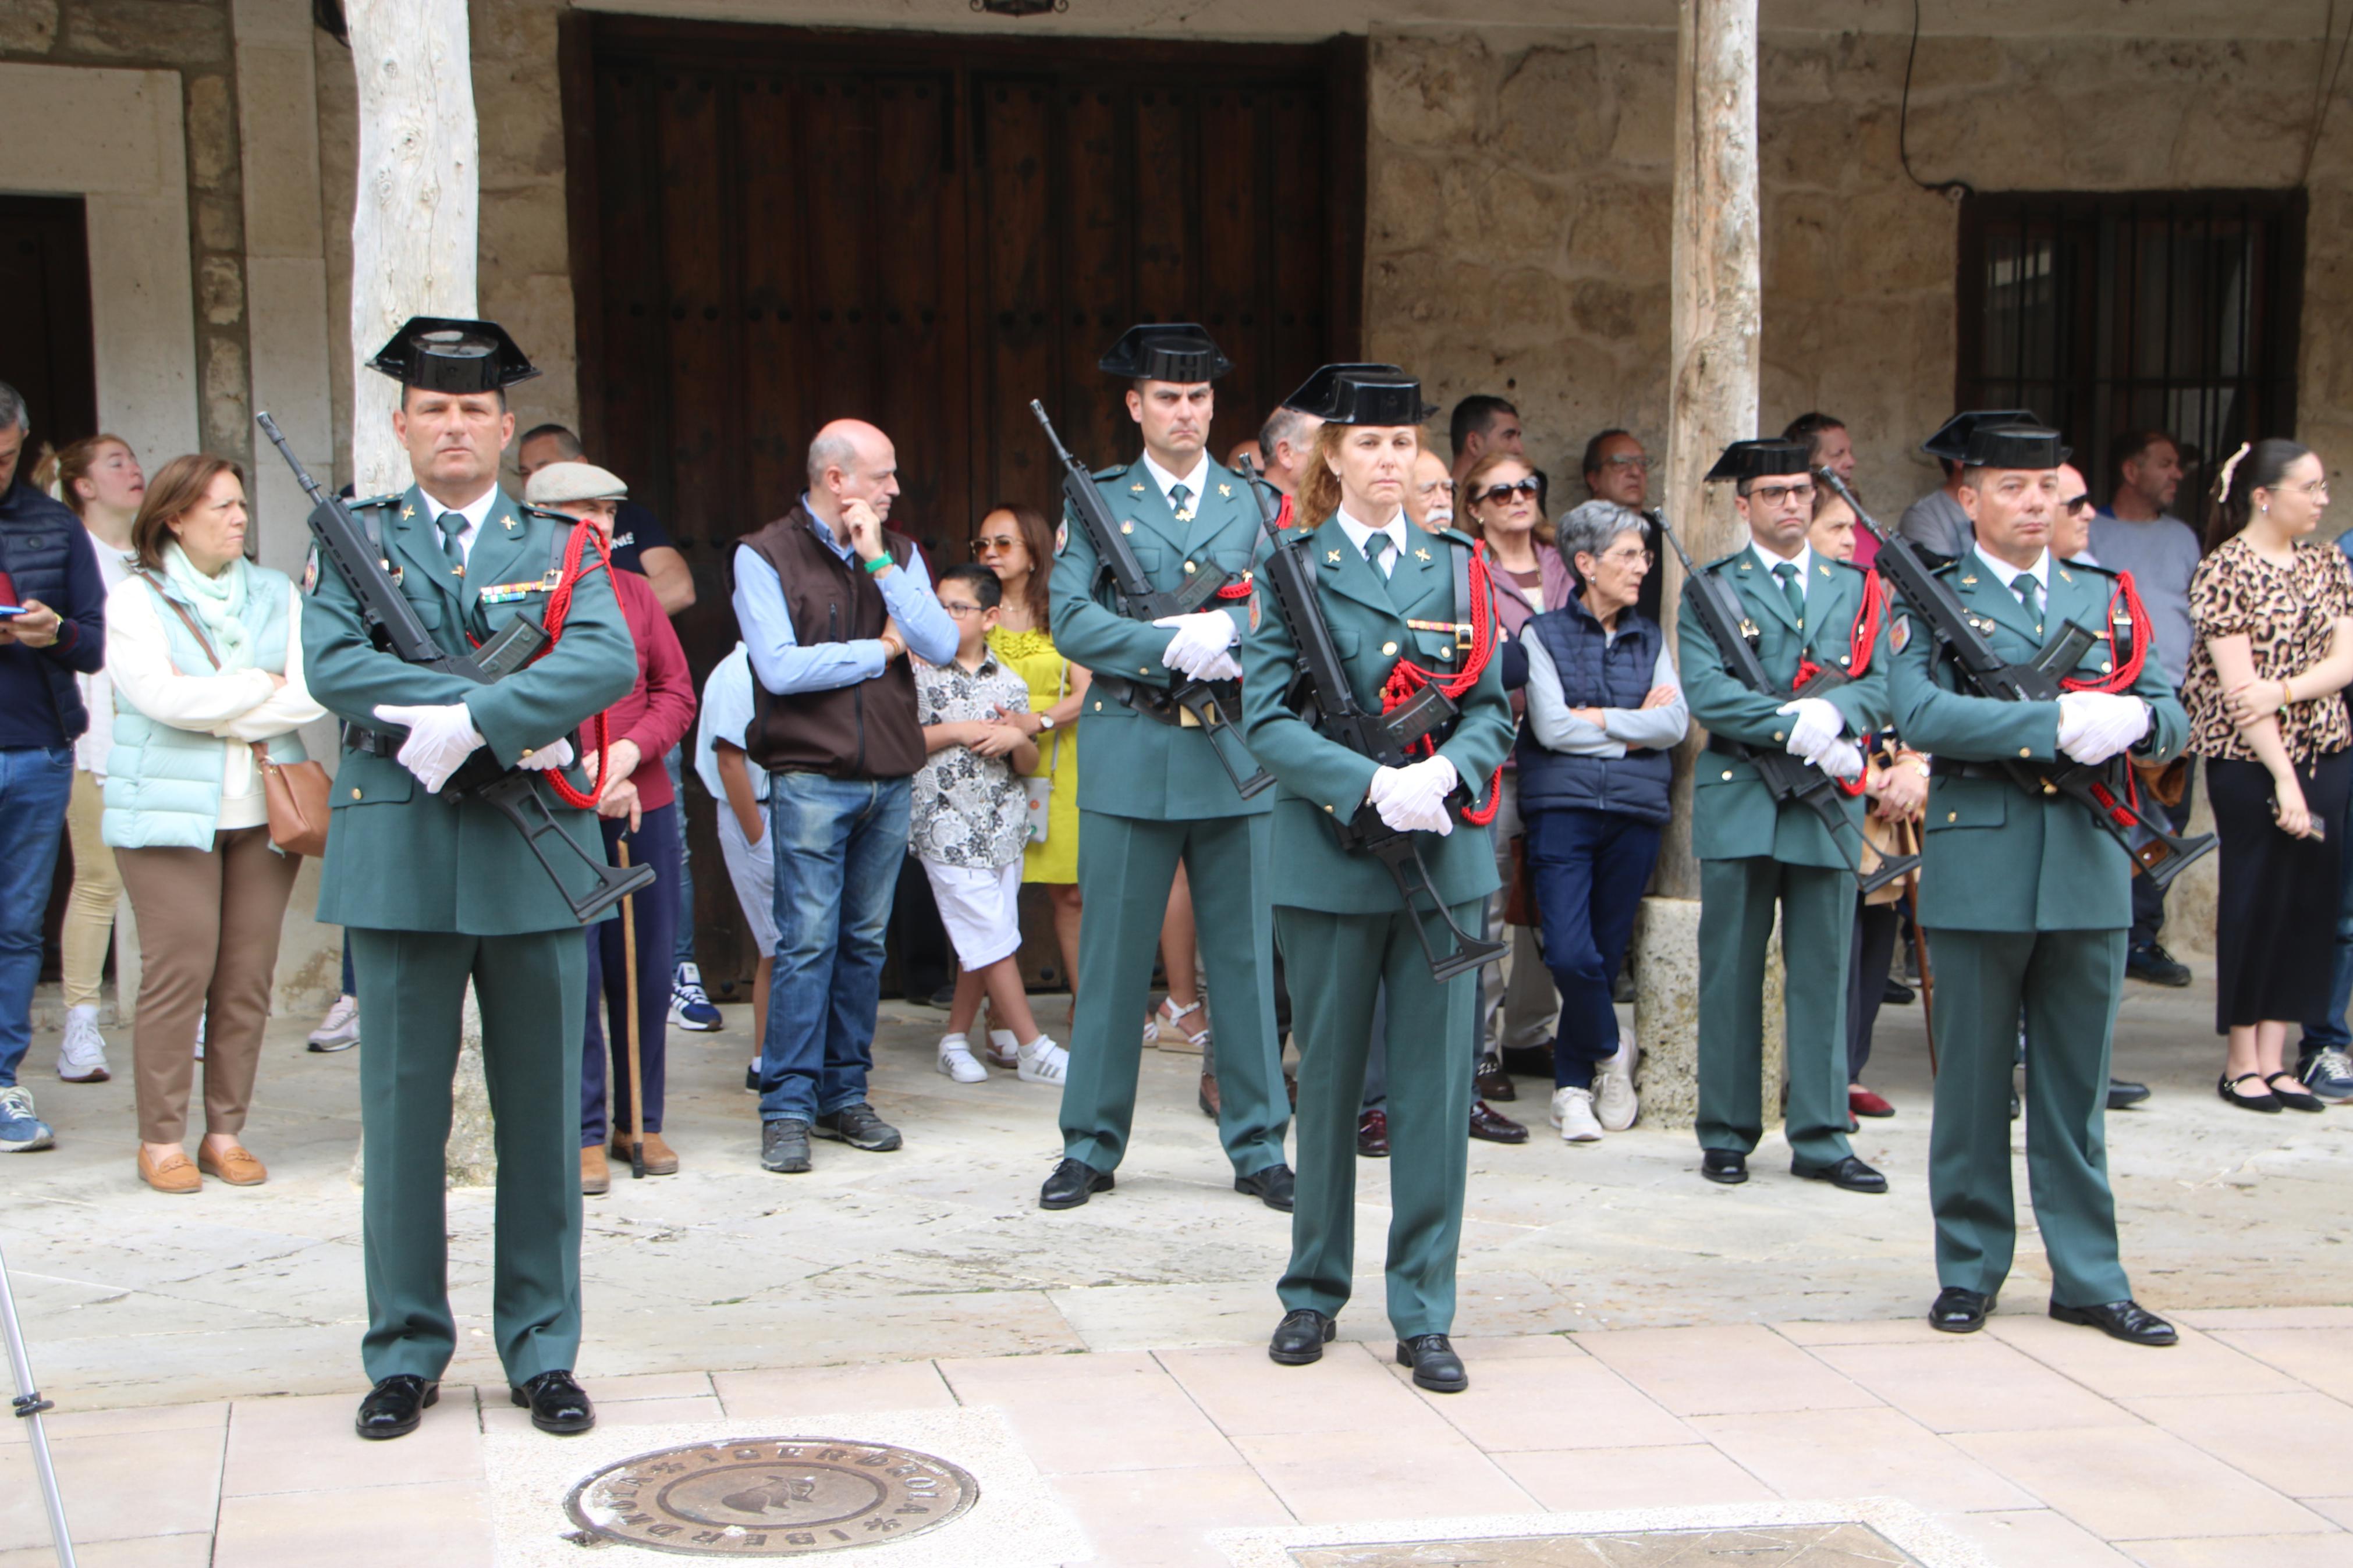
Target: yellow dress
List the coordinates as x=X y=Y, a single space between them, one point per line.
x=1032 y=655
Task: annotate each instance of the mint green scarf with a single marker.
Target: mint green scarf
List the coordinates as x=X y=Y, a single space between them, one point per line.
x=218 y=602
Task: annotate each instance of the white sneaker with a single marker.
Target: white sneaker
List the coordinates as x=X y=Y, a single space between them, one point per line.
x=1613 y=1086
x=956 y=1060
x=1004 y=1050
x=200 y=1037
x=1043 y=1061
x=340 y=1029
x=81 y=1058
x=1572 y=1113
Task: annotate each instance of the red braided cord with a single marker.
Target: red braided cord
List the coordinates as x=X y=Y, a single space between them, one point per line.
x=1240 y=588
x=559 y=604
x=1861 y=638
x=1406 y=677
x=2122 y=678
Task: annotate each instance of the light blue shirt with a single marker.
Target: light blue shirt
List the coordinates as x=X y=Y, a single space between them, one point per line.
x=785 y=666
x=726 y=715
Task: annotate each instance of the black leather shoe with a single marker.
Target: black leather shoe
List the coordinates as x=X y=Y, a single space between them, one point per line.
x=858 y=1126
x=1728 y=1166
x=1435 y=1365
x=1209 y=1100
x=1492 y=1082
x=2126 y=1320
x=1372 y=1134
x=2156 y=965
x=1959 y=1311
x=2015 y=1104
x=1849 y=1174
x=556 y=1404
x=1301 y=1337
x=1272 y=1186
x=1895 y=994
x=1072 y=1184
x=1491 y=1126
x=395 y=1405
x=784 y=1145
x=2123 y=1093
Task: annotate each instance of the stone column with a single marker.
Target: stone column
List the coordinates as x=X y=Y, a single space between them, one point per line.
x=1712 y=400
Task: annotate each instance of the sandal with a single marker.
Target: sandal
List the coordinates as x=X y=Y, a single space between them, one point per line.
x=1170 y=1020
x=2227 y=1087
x=2296 y=1098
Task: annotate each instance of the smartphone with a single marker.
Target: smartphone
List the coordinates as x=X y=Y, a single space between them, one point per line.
x=10 y=612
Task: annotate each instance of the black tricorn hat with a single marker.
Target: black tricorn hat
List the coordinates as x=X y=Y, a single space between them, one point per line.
x=1165 y=350
x=439 y=354
x=1362 y=395
x=1951 y=442
x=2025 y=445
x=1761 y=460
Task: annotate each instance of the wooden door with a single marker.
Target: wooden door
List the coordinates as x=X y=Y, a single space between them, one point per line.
x=774 y=228
x=46 y=347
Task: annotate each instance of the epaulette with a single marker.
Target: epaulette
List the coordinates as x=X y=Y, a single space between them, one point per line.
x=374 y=501
x=1455 y=536
x=1116 y=471
x=1723 y=560
x=2087 y=566
x=1834 y=561
x=565 y=517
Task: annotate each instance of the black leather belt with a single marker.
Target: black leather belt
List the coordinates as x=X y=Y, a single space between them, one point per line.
x=1723 y=746
x=1954 y=768
x=374 y=741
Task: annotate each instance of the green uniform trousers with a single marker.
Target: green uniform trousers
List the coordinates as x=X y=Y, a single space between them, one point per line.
x=1736 y=922
x=1126 y=866
x=2068 y=982
x=1337 y=964
x=533 y=989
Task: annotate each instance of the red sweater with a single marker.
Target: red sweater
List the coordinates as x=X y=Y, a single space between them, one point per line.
x=660 y=708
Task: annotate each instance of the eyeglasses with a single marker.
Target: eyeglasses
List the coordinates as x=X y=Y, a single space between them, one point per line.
x=1634 y=557
x=958 y=612
x=1632 y=462
x=1504 y=492
x=1774 y=495
x=2316 y=491
x=995 y=543
x=2081 y=503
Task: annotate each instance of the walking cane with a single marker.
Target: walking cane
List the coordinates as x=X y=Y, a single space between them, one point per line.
x=1928 y=981
x=29 y=1406
x=636 y=1064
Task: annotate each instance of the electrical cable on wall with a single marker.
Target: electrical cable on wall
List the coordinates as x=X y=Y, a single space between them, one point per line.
x=1951 y=190
x=2324 y=90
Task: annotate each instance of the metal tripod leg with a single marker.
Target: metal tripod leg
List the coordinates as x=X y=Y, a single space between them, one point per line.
x=28 y=1404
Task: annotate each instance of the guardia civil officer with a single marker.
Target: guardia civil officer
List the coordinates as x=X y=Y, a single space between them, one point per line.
x=2026 y=899
x=1390 y=592
x=1152 y=791
x=434 y=890
x=1804 y=609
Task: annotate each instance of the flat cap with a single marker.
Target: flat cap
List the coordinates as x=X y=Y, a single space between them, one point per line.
x=440 y=354
x=1165 y=350
x=1951 y=442
x=561 y=484
x=1762 y=459
x=1362 y=395
x=2025 y=445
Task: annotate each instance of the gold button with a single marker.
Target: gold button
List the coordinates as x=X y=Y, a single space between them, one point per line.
x=1389 y=648
x=1952 y=816
x=1327 y=809
x=1097 y=707
x=1776 y=734
x=1143 y=669
x=2025 y=751
x=1127 y=528
x=1188 y=566
x=526 y=751
x=356 y=795
x=2104 y=667
x=1727 y=776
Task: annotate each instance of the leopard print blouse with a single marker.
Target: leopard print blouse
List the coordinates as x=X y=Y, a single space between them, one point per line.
x=2286 y=614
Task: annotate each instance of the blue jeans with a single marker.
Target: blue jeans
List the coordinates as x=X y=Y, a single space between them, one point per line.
x=35 y=783
x=2328 y=1031
x=1587 y=870
x=683 y=945
x=839 y=844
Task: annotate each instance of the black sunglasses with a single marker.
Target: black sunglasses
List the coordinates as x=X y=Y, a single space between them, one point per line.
x=1505 y=492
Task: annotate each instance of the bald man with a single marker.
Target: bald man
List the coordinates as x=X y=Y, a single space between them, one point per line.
x=830 y=602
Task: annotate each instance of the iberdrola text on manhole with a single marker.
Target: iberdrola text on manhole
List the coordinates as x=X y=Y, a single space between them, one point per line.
x=769 y=1497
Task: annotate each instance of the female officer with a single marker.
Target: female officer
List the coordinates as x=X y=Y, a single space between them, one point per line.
x=1405 y=609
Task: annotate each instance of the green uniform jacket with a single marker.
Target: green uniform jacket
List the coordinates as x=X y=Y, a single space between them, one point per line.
x=401 y=860
x=1733 y=814
x=1995 y=857
x=1129 y=764
x=1317 y=778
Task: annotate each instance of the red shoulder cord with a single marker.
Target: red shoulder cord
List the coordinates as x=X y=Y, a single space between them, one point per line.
x=559 y=604
x=1861 y=638
x=2120 y=681
x=1240 y=588
x=1406 y=677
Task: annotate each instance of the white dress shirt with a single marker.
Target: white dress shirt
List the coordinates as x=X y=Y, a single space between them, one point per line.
x=1803 y=561
x=2008 y=575
x=1359 y=533
x=476 y=512
x=1193 y=482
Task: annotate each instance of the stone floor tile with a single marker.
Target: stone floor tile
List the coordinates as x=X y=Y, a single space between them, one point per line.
x=646 y=1385
x=1550 y=1402
x=1349 y=1391
x=174 y=1476
x=2247 y=1552
x=1972 y=1384
x=2137 y=1483
x=787 y=1394
x=2033 y=1538
x=1686 y=1370
x=1159 y=1518
x=443 y=1523
x=2246 y=1431
x=1879 y=1332
x=209 y=1415
x=2212 y=1318
x=1518 y=1347
x=1590 y=1479
x=191 y=1551
x=306 y=1445
x=497 y=1416
x=2337 y=1508
x=2201 y=1363
x=1080 y=1413
x=1858 y=1453
x=1332 y=1476
x=2319 y=1357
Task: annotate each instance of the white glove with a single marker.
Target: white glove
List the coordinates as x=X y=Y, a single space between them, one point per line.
x=2095 y=725
x=1412 y=799
x=1842 y=760
x=1814 y=727
x=547 y=759
x=441 y=738
x=1199 y=648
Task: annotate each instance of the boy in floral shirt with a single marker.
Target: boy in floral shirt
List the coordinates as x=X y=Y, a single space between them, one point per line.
x=970 y=821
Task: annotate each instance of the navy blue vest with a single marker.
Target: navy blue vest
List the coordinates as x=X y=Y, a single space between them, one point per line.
x=1597 y=671
x=36 y=540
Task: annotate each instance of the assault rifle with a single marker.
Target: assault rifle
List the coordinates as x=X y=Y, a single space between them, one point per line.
x=394 y=623
x=1326 y=701
x=1209 y=705
x=2157 y=854
x=1786 y=778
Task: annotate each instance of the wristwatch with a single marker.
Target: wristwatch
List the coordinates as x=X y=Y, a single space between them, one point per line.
x=1045 y=721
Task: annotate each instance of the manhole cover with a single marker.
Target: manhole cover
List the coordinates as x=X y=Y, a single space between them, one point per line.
x=770 y=1497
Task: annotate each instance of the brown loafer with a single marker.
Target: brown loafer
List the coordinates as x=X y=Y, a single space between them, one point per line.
x=595 y=1175
x=176 y=1175
x=237 y=1168
x=661 y=1160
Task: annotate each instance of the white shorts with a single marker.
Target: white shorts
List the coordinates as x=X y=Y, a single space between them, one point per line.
x=981 y=908
x=753 y=872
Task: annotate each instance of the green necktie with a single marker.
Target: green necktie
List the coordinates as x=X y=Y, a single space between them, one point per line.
x=452 y=525
x=1376 y=550
x=2029 y=593
x=1178 y=497
x=1792 y=590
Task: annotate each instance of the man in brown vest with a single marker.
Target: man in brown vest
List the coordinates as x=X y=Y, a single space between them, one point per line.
x=829 y=602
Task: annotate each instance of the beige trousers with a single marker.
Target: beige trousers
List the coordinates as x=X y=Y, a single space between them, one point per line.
x=209 y=925
x=97 y=887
